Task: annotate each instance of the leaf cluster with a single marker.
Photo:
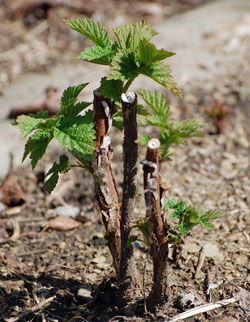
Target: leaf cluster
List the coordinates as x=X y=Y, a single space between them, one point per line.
x=130 y=55
x=171 y=132
x=73 y=131
x=187 y=217
x=143 y=225
x=62 y=167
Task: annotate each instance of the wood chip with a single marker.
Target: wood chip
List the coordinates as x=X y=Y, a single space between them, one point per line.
x=62 y=223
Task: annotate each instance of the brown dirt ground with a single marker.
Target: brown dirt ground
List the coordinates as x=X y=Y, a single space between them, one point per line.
x=39 y=264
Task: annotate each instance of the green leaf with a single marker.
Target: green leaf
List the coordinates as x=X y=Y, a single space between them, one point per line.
x=127 y=64
x=89 y=116
x=41 y=115
x=61 y=167
x=27 y=123
x=138 y=56
x=117 y=120
x=174 y=237
x=185 y=129
x=97 y=55
x=156 y=120
x=141 y=114
x=170 y=203
x=77 y=135
x=143 y=226
x=156 y=101
x=174 y=132
x=167 y=138
x=211 y=214
x=207 y=224
x=149 y=54
x=111 y=89
x=144 y=139
x=141 y=110
x=71 y=93
x=208 y=215
x=118 y=123
x=166 y=141
x=124 y=66
x=69 y=98
x=78 y=108
x=91 y=30
x=183 y=230
x=129 y=35
x=160 y=73
x=177 y=214
x=189 y=216
x=37 y=145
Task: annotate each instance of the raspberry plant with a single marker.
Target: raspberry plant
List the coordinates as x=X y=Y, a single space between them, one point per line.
x=218 y=114
x=85 y=133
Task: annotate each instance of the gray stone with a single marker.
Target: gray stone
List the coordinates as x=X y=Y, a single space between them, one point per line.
x=85 y=291
x=212 y=250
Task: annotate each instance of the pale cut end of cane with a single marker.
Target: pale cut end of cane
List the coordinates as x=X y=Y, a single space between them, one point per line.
x=128 y=98
x=97 y=92
x=154 y=144
x=153 y=150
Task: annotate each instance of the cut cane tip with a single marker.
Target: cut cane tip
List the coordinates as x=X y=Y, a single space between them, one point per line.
x=97 y=92
x=128 y=97
x=154 y=144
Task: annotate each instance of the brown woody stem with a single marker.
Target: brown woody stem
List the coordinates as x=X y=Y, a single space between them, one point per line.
x=128 y=274
x=152 y=191
x=105 y=186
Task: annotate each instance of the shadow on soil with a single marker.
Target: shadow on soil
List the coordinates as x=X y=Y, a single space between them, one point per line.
x=67 y=305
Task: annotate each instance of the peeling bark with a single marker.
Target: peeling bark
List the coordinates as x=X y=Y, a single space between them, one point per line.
x=128 y=275
x=105 y=186
x=152 y=191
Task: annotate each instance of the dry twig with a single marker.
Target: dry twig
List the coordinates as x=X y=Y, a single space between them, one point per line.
x=201 y=261
x=33 y=252
x=16 y=229
x=204 y=308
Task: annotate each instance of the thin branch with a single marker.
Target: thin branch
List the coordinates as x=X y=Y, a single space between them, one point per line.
x=201 y=261
x=204 y=308
x=33 y=252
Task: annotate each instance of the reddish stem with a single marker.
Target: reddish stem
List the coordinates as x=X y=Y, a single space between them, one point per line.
x=105 y=186
x=152 y=190
x=128 y=274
